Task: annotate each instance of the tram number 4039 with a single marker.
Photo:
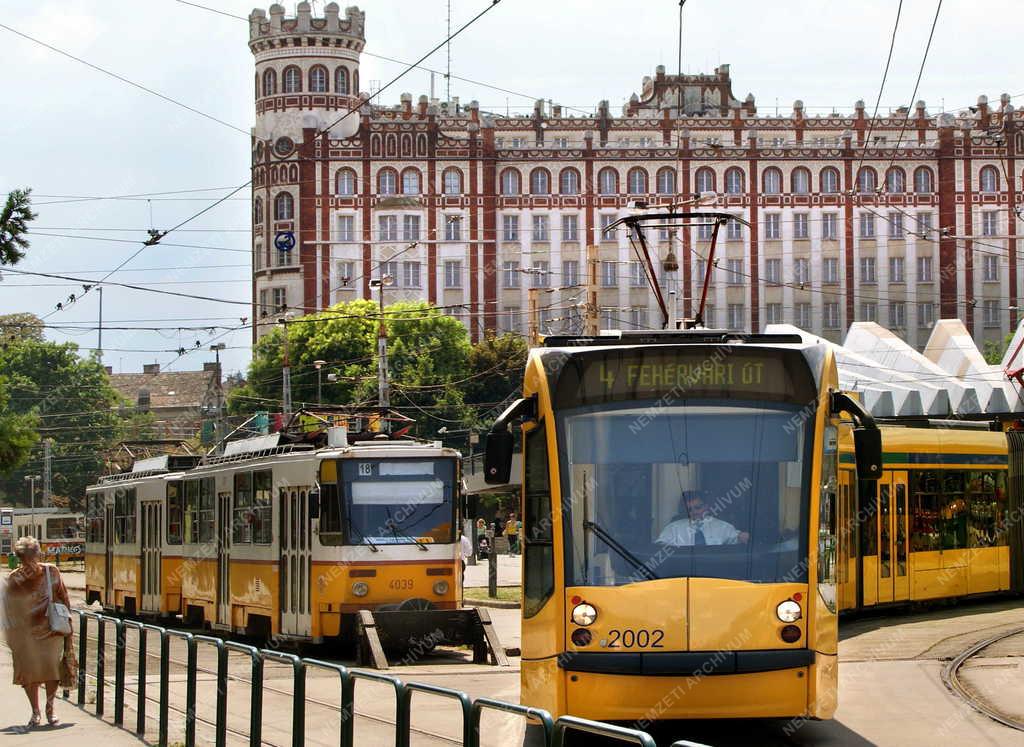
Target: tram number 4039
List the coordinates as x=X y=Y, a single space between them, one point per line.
x=400 y=584
x=629 y=638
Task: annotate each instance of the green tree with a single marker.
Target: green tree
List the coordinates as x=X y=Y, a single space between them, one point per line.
x=994 y=350
x=20 y=326
x=17 y=434
x=14 y=220
x=496 y=367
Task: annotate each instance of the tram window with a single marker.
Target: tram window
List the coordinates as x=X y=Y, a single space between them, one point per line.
x=64 y=527
x=262 y=507
x=901 y=529
x=206 y=509
x=868 y=513
x=175 y=509
x=925 y=496
x=884 y=543
x=191 y=512
x=953 y=511
x=987 y=508
x=538 y=558
x=330 y=515
x=243 y=517
x=124 y=516
x=94 y=517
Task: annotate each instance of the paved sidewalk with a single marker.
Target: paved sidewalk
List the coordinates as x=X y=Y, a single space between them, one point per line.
x=510 y=571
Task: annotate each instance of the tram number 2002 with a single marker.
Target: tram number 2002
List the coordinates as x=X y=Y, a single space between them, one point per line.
x=629 y=638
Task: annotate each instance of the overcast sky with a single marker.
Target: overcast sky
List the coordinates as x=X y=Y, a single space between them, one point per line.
x=69 y=130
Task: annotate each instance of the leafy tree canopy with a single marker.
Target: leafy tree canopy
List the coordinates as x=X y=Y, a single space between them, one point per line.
x=14 y=219
x=17 y=434
x=20 y=326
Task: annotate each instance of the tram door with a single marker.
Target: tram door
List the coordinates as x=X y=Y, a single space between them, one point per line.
x=295 y=562
x=151 y=531
x=224 y=559
x=108 y=596
x=893 y=581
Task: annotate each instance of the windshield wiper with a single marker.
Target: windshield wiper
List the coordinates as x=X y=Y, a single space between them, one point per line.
x=394 y=531
x=622 y=551
x=366 y=540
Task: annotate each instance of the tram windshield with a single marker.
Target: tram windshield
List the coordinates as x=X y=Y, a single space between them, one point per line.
x=712 y=488
x=397 y=501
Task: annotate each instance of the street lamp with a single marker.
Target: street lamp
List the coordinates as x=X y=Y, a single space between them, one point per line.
x=286 y=370
x=216 y=348
x=31 y=480
x=383 y=393
x=319 y=382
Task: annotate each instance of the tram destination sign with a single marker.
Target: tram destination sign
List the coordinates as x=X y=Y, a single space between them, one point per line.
x=719 y=372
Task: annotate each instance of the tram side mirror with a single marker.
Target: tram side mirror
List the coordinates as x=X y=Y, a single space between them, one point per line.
x=498 y=457
x=867 y=446
x=314 y=504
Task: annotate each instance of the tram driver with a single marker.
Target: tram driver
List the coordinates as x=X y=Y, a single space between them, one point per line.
x=695 y=525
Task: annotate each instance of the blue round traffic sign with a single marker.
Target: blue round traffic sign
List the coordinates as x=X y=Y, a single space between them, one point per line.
x=284 y=241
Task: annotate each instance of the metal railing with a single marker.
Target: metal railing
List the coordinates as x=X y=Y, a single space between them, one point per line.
x=553 y=733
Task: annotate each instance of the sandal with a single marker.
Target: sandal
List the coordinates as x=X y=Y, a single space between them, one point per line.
x=34 y=721
x=50 y=718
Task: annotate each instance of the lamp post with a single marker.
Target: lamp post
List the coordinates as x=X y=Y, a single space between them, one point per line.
x=31 y=480
x=286 y=371
x=218 y=423
x=319 y=381
x=383 y=392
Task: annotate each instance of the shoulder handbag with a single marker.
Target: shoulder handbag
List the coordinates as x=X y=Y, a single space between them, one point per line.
x=57 y=613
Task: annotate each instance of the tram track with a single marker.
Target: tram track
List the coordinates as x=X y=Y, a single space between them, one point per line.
x=951 y=679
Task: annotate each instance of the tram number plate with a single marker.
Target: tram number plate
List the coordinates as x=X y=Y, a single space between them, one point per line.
x=629 y=638
x=400 y=584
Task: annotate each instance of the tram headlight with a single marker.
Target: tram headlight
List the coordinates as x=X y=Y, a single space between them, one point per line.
x=584 y=614
x=788 y=611
x=360 y=588
x=441 y=587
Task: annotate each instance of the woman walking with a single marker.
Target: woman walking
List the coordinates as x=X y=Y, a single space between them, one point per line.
x=37 y=650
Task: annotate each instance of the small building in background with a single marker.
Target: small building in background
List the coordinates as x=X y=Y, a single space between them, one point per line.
x=179 y=402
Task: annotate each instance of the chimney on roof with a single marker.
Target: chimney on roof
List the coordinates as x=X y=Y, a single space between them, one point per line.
x=150 y=368
x=210 y=366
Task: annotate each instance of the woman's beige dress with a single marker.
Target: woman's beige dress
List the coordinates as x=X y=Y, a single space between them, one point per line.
x=36 y=649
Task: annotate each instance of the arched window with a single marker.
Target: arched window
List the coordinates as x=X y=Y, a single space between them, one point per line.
x=607 y=181
x=452 y=181
x=829 y=180
x=410 y=182
x=284 y=207
x=636 y=181
x=257 y=211
x=269 y=82
x=895 y=181
x=569 y=182
x=923 y=182
x=989 y=179
x=510 y=182
x=256 y=89
x=355 y=82
x=801 y=181
x=705 y=180
x=771 y=181
x=666 y=181
x=291 y=80
x=734 y=181
x=540 y=182
x=346 y=182
x=318 y=79
x=387 y=182
x=341 y=80
x=867 y=180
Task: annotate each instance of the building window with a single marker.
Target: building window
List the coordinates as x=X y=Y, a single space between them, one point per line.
x=636 y=181
x=705 y=180
x=869 y=312
x=279 y=299
x=801 y=226
x=772 y=226
x=773 y=270
x=284 y=207
x=830 y=270
x=346 y=273
x=989 y=223
x=387 y=227
x=608 y=181
x=771 y=181
x=773 y=313
x=867 y=226
x=803 y=315
x=923 y=182
x=801 y=180
x=541 y=274
x=292 y=80
x=510 y=274
x=346 y=182
x=607 y=234
x=736 y=316
x=801 y=270
x=540 y=182
x=452 y=181
x=518 y=142
x=895 y=221
x=410 y=228
x=989 y=179
x=867 y=180
x=570 y=272
x=895 y=181
x=510 y=228
x=829 y=181
x=897 y=314
x=388 y=270
x=709 y=316
x=924 y=269
x=609 y=274
x=570 y=228
x=511 y=319
x=387 y=182
x=897 y=273
x=452 y=273
x=924 y=225
x=411 y=274
x=569 y=182
x=925 y=314
x=318 y=79
x=704 y=231
x=560 y=142
x=991 y=313
x=257 y=211
x=637 y=276
x=510 y=182
x=410 y=182
x=541 y=230
x=638 y=318
x=453 y=228
x=830 y=313
x=700 y=269
x=666 y=181
x=734 y=230
x=868 y=272
x=734 y=181
x=990 y=268
x=341 y=81
x=734 y=274
x=269 y=82
x=346 y=228
x=830 y=226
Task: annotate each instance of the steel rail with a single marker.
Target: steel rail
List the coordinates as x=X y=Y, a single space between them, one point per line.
x=950 y=678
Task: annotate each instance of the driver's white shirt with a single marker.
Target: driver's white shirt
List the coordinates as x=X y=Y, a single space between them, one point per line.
x=716 y=532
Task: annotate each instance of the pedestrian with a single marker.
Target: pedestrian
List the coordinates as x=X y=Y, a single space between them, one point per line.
x=481 y=527
x=37 y=650
x=512 y=533
x=466 y=548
